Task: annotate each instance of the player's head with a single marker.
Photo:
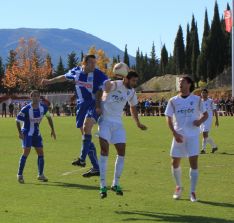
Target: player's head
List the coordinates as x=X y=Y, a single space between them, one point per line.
x=89 y=62
x=35 y=96
x=131 y=79
x=204 y=93
x=186 y=84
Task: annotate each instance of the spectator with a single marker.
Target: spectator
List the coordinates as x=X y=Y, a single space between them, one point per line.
x=4 y=109
x=11 y=110
x=57 y=110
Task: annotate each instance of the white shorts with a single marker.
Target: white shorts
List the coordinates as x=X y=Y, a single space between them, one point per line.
x=206 y=126
x=189 y=147
x=113 y=132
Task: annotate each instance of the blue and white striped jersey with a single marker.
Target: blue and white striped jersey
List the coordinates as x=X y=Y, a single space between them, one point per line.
x=86 y=84
x=31 y=118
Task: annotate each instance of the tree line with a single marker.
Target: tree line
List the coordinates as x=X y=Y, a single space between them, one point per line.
x=203 y=62
x=29 y=63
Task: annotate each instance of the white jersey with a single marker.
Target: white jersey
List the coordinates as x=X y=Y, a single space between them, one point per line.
x=185 y=111
x=210 y=107
x=114 y=102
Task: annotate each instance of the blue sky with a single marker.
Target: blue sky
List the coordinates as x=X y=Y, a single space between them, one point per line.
x=132 y=22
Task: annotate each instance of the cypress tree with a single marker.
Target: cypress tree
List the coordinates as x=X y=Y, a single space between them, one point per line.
x=126 y=57
x=216 y=44
x=164 y=59
x=179 y=52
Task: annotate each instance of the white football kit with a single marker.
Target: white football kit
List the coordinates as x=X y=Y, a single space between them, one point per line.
x=184 y=112
x=210 y=107
x=110 y=123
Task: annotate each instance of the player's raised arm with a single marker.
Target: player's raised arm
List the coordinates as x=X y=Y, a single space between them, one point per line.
x=54 y=80
x=98 y=99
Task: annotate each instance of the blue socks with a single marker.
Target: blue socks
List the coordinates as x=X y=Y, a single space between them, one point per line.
x=40 y=163
x=85 y=146
x=93 y=156
x=22 y=162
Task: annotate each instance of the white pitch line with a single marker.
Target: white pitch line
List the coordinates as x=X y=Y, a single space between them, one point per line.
x=73 y=171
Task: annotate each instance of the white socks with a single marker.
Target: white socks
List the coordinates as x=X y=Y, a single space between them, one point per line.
x=119 y=163
x=211 y=142
x=102 y=167
x=193 y=179
x=204 y=143
x=177 y=175
x=208 y=140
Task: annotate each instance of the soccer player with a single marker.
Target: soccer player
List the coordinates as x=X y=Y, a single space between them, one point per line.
x=89 y=82
x=206 y=126
x=188 y=113
x=31 y=116
x=111 y=131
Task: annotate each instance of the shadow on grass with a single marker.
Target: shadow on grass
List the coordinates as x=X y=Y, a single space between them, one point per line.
x=218 y=204
x=229 y=154
x=67 y=185
x=147 y=216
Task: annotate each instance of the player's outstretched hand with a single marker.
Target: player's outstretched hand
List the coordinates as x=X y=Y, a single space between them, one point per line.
x=53 y=135
x=178 y=137
x=141 y=126
x=45 y=82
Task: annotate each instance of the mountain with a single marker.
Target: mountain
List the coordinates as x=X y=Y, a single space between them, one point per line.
x=57 y=42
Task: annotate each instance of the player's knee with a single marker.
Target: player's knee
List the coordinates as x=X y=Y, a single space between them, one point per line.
x=121 y=152
x=175 y=163
x=104 y=151
x=40 y=152
x=26 y=152
x=87 y=128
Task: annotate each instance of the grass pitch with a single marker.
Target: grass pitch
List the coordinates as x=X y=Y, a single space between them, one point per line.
x=146 y=180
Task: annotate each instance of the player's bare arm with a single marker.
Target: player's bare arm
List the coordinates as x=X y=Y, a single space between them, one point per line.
x=21 y=135
x=51 y=124
x=109 y=85
x=54 y=80
x=216 y=118
x=134 y=114
x=98 y=100
x=201 y=120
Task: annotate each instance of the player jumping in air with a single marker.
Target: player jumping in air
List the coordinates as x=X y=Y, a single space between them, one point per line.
x=89 y=82
x=185 y=113
x=31 y=116
x=111 y=131
x=206 y=126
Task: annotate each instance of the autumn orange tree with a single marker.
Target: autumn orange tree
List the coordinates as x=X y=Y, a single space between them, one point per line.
x=31 y=65
x=102 y=60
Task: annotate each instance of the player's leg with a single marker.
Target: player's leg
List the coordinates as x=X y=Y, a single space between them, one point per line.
x=78 y=161
x=212 y=143
x=38 y=145
x=41 y=164
x=103 y=166
x=26 y=145
x=85 y=124
x=204 y=141
x=193 y=160
x=176 y=173
x=22 y=162
x=119 y=165
x=88 y=148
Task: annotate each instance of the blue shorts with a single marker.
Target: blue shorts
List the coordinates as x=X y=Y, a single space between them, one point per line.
x=85 y=110
x=32 y=141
